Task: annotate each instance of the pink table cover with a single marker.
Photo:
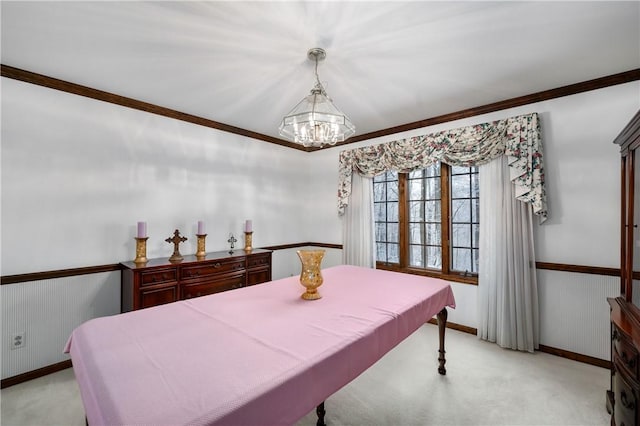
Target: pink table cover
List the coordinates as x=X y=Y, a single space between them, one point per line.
x=254 y=356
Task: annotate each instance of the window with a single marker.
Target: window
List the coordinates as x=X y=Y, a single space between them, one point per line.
x=427 y=221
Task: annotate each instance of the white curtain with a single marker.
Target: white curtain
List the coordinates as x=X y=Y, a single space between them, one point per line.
x=507 y=290
x=358 y=224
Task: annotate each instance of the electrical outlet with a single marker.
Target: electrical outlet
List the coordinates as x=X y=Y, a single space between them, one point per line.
x=18 y=340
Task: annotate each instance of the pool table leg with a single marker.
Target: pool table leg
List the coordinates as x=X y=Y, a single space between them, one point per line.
x=442 y=325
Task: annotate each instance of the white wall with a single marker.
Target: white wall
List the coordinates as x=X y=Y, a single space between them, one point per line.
x=77 y=174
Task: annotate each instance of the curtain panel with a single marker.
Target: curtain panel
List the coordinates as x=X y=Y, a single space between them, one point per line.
x=517 y=137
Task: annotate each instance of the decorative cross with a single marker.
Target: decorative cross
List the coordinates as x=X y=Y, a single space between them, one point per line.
x=231 y=240
x=176 y=240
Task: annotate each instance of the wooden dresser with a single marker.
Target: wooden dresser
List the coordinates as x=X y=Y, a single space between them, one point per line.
x=623 y=396
x=160 y=281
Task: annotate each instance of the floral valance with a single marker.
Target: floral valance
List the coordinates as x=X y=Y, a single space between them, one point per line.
x=516 y=137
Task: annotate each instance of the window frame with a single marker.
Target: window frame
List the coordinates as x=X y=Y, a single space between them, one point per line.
x=445 y=222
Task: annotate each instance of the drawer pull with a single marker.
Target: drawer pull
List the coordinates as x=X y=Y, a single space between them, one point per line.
x=217 y=265
x=625 y=401
x=629 y=362
x=616 y=336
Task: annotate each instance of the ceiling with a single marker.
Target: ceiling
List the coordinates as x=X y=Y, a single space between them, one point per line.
x=388 y=63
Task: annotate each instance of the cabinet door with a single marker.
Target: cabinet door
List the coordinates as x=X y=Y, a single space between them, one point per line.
x=626 y=400
x=633 y=231
x=257 y=276
x=153 y=296
x=212 y=285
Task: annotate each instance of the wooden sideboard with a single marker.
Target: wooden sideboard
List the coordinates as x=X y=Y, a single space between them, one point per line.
x=160 y=281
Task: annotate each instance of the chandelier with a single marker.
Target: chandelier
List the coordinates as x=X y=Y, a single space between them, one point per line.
x=315 y=121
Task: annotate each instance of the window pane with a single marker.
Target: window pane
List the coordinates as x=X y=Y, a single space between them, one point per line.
x=432 y=211
x=460 y=186
x=380 y=212
x=476 y=236
x=416 y=233
x=459 y=170
x=392 y=232
x=461 y=259
x=461 y=235
x=475 y=185
x=416 y=211
x=392 y=191
x=415 y=189
x=475 y=210
x=379 y=191
x=476 y=260
x=461 y=211
x=433 y=170
x=416 y=257
x=392 y=212
x=434 y=257
x=432 y=189
x=434 y=234
x=381 y=231
x=381 y=252
x=392 y=251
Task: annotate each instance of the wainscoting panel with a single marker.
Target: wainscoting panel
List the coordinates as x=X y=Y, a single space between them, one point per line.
x=574 y=314
x=47 y=311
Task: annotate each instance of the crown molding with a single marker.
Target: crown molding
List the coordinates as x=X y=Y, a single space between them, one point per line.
x=69 y=87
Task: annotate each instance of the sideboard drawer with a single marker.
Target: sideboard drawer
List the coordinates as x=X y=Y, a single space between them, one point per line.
x=211 y=268
x=254 y=261
x=202 y=288
x=158 y=276
x=154 y=296
x=625 y=352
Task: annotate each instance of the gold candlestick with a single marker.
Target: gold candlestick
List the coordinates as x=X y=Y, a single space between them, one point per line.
x=141 y=251
x=248 y=239
x=202 y=252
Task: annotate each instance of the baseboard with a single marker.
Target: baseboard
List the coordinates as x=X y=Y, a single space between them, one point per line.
x=30 y=375
x=454 y=326
x=576 y=356
x=542 y=348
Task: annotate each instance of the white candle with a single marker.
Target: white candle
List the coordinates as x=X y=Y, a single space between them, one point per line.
x=142 y=229
x=200 y=227
x=247 y=226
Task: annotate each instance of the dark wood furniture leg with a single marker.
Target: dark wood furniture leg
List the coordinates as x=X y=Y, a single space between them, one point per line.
x=320 y=412
x=442 y=325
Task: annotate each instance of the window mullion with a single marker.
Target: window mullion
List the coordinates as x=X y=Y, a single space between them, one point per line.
x=445 y=203
x=403 y=219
